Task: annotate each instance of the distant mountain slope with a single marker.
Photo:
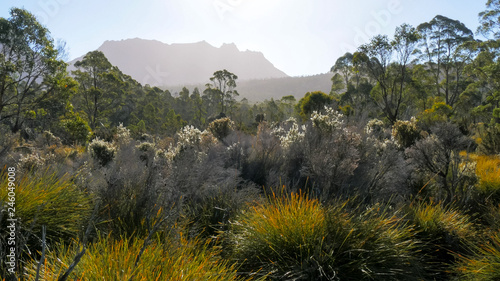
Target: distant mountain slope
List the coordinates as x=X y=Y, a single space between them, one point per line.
x=276 y=88
x=159 y=64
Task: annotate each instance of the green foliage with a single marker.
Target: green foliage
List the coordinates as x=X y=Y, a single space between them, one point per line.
x=438 y=113
x=46 y=199
x=313 y=101
x=489 y=19
x=30 y=72
x=490 y=139
x=222 y=91
x=103 y=88
x=43 y=199
x=75 y=128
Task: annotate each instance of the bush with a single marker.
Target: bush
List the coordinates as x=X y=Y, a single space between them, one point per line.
x=405 y=133
x=102 y=151
x=490 y=139
x=295 y=238
x=111 y=259
x=221 y=128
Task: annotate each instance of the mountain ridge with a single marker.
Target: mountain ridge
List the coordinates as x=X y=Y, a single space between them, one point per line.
x=160 y=64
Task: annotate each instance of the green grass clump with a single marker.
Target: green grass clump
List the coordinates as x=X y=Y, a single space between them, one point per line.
x=484 y=265
x=445 y=232
x=115 y=259
x=46 y=199
x=42 y=199
x=296 y=238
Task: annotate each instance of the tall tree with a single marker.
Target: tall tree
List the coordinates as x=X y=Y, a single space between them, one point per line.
x=99 y=92
x=490 y=19
x=441 y=41
x=30 y=71
x=404 y=44
x=375 y=57
x=224 y=84
x=344 y=66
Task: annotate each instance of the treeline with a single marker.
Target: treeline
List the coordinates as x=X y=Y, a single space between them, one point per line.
x=38 y=94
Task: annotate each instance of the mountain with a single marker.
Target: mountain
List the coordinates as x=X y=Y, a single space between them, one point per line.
x=159 y=64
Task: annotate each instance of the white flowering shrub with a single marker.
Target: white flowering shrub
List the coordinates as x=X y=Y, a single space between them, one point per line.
x=122 y=135
x=374 y=127
x=294 y=135
x=145 y=147
x=189 y=136
x=405 y=133
x=221 y=128
x=102 y=151
x=328 y=121
x=30 y=162
x=49 y=138
x=289 y=132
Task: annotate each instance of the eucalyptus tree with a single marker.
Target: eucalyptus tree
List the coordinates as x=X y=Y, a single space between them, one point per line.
x=222 y=90
x=101 y=86
x=441 y=43
x=30 y=71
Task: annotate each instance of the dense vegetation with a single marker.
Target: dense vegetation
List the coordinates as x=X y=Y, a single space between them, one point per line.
x=393 y=175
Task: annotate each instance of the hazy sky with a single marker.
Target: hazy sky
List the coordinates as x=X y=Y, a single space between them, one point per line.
x=300 y=37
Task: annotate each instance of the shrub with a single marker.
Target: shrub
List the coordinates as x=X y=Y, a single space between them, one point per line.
x=405 y=133
x=490 y=139
x=375 y=127
x=45 y=199
x=102 y=151
x=488 y=171
x=30 y=162
x=210 y=213
x=147 y=151
x=221 y=128
x=75 y=129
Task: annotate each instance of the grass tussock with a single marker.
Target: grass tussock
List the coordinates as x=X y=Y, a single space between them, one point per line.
x=46 y=199
x=116 y=259
x=445 y=232
x=295 y=238
x=484 y=265
x=488 y=171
